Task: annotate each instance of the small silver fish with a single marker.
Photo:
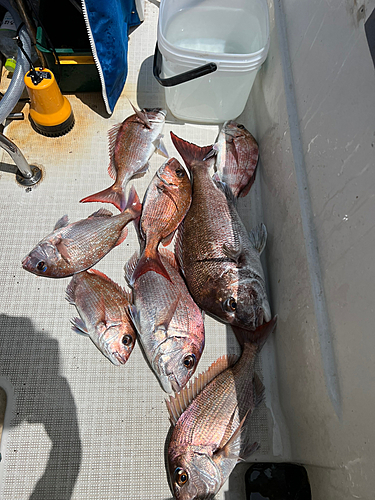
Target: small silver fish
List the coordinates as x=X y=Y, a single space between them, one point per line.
x=75 y=247
x=103 y=307
x=169 y=324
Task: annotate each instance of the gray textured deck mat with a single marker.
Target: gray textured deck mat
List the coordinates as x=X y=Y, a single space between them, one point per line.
x=76 y=426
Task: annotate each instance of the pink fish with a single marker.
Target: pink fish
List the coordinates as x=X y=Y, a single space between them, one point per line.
x=208 y=417
x=237 y=158
x=72 y=248
x=131 y=144
x=103 y=307
x=165 y=204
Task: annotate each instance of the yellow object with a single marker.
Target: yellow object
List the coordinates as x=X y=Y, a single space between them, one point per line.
x=50 y=111
x=10 y=64
x=73 y=59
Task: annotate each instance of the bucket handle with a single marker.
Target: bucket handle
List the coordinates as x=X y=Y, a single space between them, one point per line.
x=182 y=77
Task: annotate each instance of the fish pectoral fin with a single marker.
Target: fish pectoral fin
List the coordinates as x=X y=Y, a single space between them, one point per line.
x=61 y=247
x=165 y=316
x=258 y=237
x=233 y=253
x=134 y=316
x=232 y=448
x=160 y=146
x=248 y=450
x=62 y=222
x=79 y=326
x=122 y=236
x=167 y=240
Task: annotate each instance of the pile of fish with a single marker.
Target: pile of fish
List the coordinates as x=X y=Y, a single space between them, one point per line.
x=215 y=268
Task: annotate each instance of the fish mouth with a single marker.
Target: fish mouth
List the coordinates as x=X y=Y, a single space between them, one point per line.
x=156 y=110
x=166 y=383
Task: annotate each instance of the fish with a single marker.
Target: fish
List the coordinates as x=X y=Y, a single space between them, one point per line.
x=220 y=261
x=103 y=307
x=237 y=157
x=165 y=204
x=131 y=144
x=75 y=247
x=209 y=416
x=170 y=325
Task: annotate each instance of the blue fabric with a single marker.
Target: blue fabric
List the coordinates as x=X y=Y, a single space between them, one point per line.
x=109 y=22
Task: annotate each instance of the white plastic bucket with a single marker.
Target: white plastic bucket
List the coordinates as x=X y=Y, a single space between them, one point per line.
x=215 y=47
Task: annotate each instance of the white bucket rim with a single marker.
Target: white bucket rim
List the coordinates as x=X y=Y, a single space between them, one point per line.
x=193 y=57
x=223 y=61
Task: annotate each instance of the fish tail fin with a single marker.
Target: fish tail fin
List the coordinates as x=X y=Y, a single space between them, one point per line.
x=133 y=204
x=191 y=152
x=256 y=337
x=149 y=261
x=113 y=194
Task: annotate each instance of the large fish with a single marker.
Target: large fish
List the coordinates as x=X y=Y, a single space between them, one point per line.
x=169 y=324
x=219 y=260
x=237 y=157
x=208 y=418
x=103 y=307
x=164 y=206
x=131 y=144
x=75 y=247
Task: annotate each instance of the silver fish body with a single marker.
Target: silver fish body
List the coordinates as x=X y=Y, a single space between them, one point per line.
x=219 y=259
x=208 y=419
x=170 y=325
x=103 y=307
x=131 y=144
x=237 y=157
x=75 y=247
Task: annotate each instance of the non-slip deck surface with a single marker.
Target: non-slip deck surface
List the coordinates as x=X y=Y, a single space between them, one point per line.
x=78 y=427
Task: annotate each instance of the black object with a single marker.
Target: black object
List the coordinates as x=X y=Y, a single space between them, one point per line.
x=370 y=34
x=182 y=77
x=277 y=482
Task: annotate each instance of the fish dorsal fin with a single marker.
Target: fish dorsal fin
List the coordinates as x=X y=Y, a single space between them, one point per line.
x=130 y=267
x=258 y=237
x=102 y=212
x=62 y=222
x=112 y=135
x=169 y=257
x=177 y=404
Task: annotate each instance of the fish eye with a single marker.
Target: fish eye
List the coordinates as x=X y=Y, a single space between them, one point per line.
x=180 y=172
x=241 y=126
x=181 y=476
x=41 y=266
x=230 y=305
x=189 y=361
x=126 y=340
